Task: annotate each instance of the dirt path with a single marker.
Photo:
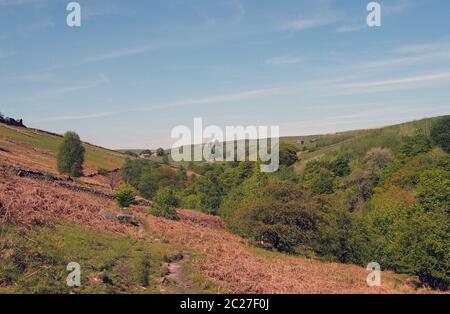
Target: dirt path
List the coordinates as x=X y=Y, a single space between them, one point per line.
x=174 y=280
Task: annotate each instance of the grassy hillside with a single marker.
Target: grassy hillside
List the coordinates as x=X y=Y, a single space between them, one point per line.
x=357 y=143
x=36 y=144
x=110 y=263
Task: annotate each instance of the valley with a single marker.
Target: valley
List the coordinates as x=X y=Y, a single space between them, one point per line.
x=44 y=225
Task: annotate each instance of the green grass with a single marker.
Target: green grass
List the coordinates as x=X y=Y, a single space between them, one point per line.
x=96 y=157
x=35 y=261
x=356 y=143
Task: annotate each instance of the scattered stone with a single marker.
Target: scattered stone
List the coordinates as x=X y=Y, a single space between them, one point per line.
x=107 y=215
x=128 y=219
x=30 y=174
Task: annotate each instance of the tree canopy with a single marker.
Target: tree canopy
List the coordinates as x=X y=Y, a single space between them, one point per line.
x=71 y=155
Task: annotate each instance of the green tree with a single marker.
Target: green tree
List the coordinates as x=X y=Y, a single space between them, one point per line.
x=440 y=133
x=342 y=237
x=160 y=152
x=125 y=196
x=282 y=217
x=320 y=182
x=340 y=167
x=433 y=189
x=288 y=154
x=415 y=145
x=182 y=174
x=210 y=192
x=165 y=204
x=71 y=155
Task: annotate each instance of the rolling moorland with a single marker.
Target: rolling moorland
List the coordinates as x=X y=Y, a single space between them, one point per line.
x=338 y=202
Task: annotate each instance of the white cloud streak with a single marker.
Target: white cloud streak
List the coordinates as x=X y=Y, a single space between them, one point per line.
x=115 y=54
x=396 y=83
x=284 y=60
x=16 y=2
x=73 y=88
x=349 y=29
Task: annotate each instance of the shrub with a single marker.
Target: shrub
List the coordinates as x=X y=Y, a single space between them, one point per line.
x=282 y=217
x=322 y=182
x=130 y=153
x=433 y=189
x=125 y=196
x=411 y=236
x=378 y=159
x=210 y=192
x=415 y=145
x=423 y=247
x=148 y=176
x=190 y=201
x=340 y=167
x=440 y=133
x=288 y=154
x=342 y=237
x=165 y=203
x=71 y=155
x=103 y=172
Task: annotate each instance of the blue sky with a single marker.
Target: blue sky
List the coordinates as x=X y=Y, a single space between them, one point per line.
x=135 y=69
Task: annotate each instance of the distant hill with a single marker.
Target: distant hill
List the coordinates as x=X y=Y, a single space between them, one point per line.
x=357 y=142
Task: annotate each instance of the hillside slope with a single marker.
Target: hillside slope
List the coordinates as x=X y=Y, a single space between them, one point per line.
x=37 y=149
x=44 y=226
x=356 y=142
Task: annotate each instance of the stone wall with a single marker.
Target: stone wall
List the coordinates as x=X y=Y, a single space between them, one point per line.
x=11 y=121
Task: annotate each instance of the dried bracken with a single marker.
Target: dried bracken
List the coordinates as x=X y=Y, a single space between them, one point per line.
x=39 y=202
x=237 y=267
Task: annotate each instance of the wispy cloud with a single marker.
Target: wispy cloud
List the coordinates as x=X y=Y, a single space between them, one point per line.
x=305 y=23
x=397 y=7
x=207 y=100
x=16 y=2
x=75 y=117
x=424 y=47
x=395 y=83
x=73 y=88
x=284 y=60
x=39 y=77
x=232 y=13
x=410 y=60
x=116 y=54
x=348 y=28
x=323 y=14
x=327 y=87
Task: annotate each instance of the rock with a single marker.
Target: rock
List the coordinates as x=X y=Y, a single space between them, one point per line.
x=30 y=174
x=128 y=219
x=11 y=121
x=107 y=215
